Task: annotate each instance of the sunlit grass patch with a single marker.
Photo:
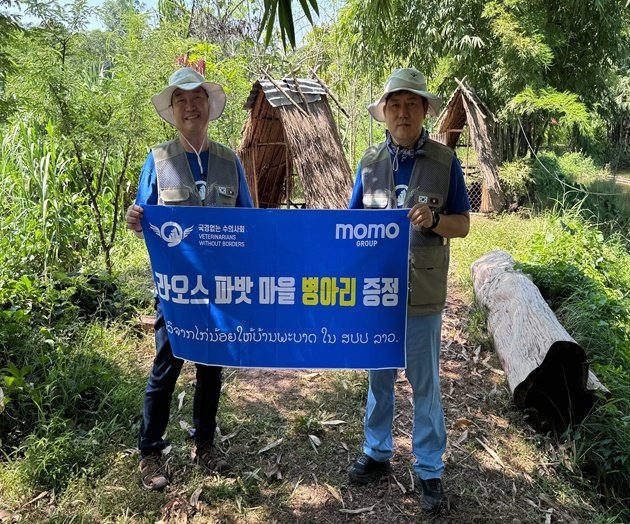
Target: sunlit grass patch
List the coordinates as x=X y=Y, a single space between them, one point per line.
x=508 y=232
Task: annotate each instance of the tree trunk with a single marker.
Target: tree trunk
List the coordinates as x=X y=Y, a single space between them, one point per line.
x=546 y=369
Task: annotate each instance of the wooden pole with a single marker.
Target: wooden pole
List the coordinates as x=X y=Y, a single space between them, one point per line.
x=329 y=93
x=283 y=91
x=300 y=92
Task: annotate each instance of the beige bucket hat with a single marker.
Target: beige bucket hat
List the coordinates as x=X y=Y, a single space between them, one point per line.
x=188 y=79
x=408 y=79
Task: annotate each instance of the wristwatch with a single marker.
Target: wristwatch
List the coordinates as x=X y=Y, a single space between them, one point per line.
x=436 y=220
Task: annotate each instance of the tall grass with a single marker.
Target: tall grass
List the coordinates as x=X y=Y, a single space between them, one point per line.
x=552 y=182
x=43 y=223
x=71 y=403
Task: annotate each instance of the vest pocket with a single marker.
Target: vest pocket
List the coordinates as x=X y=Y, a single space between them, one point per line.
x=428 y=272
x=175 y=195
x=379 y=200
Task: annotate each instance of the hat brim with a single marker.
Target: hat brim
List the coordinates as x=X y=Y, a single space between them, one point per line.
x=216 y=100
x=376 y=109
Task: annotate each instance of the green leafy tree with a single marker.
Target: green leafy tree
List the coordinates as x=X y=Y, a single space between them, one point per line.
x=98 y=102
x=283 y=9
x=95 y=89
x=113 y=13
x=546 y=115
x=8 y=28
x=506 y=49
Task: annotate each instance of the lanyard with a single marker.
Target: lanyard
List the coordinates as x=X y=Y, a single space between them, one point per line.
x=196 y=152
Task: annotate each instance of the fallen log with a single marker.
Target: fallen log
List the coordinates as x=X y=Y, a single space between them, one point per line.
x=547 y=370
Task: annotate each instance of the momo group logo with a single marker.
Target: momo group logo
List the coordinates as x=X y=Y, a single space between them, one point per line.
x=366 y=235
x=171 y=232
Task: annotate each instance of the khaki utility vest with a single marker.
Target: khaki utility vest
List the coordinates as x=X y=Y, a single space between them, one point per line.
x=429 y=252
x=176 y=184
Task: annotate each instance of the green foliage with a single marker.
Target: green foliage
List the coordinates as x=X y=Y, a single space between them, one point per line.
x=559 y=43
x=517 y=180
x=95 y=87
x=549 y=115
x=586 y=279
x=59 y=451
x=173 y=12
x=521 y=40
x=91 y=91
x=8 y=28
x=133 y=279
x=540 y=55
x=549 y=181
x=610 y=203
x=66 y=399
x=597 y=193
x=228 y=71
x=284 y=11
x=578 y=167
x=43 y=223
x=15 y=384
x=115 y=13
x=616 y=114
x=49 y=369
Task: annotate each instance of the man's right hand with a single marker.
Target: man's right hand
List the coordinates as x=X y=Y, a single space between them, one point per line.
x=133 y=217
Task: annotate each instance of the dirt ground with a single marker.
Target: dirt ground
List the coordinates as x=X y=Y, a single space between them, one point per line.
x=294 y=433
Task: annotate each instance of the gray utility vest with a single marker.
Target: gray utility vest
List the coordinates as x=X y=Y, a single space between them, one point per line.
x=176 y=184
x=429 y=183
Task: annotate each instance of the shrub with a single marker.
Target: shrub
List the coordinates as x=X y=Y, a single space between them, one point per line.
x=516 y=181
x=553 y=182
x=587 y=281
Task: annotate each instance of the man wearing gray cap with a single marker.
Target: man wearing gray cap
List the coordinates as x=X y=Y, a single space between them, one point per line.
x=409 y=170
x=191 y=170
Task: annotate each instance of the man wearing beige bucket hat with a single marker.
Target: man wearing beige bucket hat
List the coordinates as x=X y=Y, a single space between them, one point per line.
x=409 y=170
x=191 y=170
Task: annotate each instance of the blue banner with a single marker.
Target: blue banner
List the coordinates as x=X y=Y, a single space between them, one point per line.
x=278 y=288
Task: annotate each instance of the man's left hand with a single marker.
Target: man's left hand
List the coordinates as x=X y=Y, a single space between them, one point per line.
x=421 y=215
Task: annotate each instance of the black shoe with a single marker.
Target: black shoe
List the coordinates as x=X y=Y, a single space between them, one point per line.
x=365 y=469
x=432 y=496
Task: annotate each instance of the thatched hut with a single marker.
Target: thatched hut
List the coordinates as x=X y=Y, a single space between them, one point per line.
x=291 y=150
x=465 y=107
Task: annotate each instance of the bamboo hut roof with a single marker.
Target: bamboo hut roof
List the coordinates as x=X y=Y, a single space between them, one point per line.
x=456 y=112
x=285 y=92
x=291 y=134
x=465 y=107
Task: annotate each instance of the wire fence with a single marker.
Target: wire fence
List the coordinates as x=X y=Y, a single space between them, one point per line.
x=470 y=168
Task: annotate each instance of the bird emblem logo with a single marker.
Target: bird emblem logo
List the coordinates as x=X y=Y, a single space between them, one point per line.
x=172 y=233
